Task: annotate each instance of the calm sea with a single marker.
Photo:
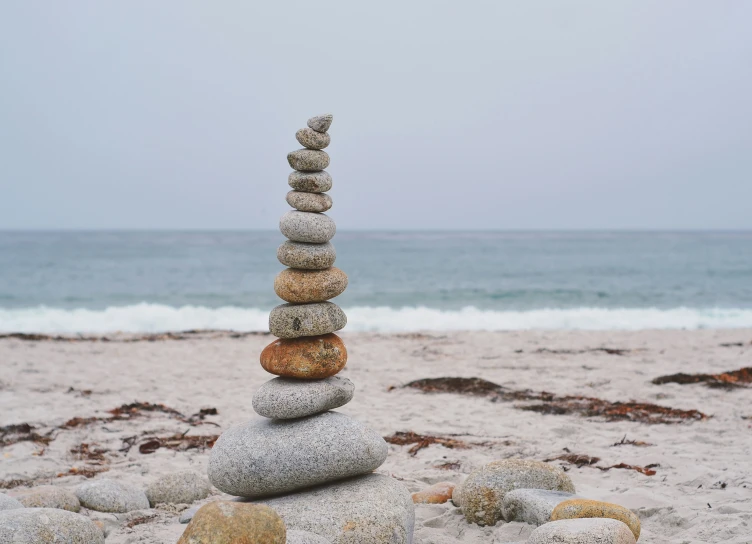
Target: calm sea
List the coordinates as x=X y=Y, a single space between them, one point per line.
x=153 y=281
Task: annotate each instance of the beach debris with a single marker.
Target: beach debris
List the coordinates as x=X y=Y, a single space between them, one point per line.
x=133 y=410
x=111 y=496
x=583 y=530
x=42 y=525
x=550 y=403
x=647 y=470
x=438 y=493
x=423 y=441
x=140 y=520
x=584 y=508
x=625 y=442
x=178 y=442
x=608 y=351
x=725 y=380
x=132 y=338
x=581 y=460
x=23 y=432
x=449 y=465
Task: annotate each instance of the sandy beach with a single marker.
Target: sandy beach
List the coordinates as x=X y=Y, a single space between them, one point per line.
x=699 y=493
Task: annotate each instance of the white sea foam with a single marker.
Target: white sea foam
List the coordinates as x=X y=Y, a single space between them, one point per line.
x=147 y=317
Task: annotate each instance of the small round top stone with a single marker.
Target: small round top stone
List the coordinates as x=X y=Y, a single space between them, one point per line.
x=320 y=123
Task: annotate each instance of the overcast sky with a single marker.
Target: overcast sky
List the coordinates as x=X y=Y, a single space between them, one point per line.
x=468 y=115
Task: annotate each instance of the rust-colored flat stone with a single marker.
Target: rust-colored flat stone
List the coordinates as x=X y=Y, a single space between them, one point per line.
x=584 y=508
x=228 y=522
x=303 y=286
x=311 y=357
x=436 y=494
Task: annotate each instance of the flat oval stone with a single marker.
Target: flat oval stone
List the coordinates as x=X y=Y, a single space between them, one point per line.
x=310 y=139
x=309 y=202
x=582 y=531
x=303 y=286
x=310 y=182
x=184 y=487
x=321 y=123
x=308 y=160
x=272 y=456
x=49 y=496
x=533 y=506
x=370 y=509
x=308 y=357
x=230 y=522
x=307 y=256
x=111 y=496
x=584 y=508
x=481 y=495
x=438 y=493
x=47 y=526
x=9 y=503
x=296 y=320
x=315 y=228
x=286 y=398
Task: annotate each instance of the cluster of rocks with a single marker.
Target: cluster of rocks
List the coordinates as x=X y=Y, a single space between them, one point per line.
x=57 y=514
x=312 y=466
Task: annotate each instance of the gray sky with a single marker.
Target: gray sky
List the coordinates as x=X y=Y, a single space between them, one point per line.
x=510 y=115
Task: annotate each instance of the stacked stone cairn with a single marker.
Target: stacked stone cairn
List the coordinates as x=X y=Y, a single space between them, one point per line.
x=313 y=466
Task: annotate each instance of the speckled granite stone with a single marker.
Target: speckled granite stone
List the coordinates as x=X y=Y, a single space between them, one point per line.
x=296 y=320
x=303 y=286
x=308 y=160
x=48 y=496
x=309 y=202
x=111 y=496
x=9 y=503
x=271 y=456
x=321 y=123
x=584 y=508
x=582 y=531
x=229 y=522
x=312 y=139
x=310 y=182
x=47 y=526
x=184 y=487
x=304 y=537
x=306 y=256
x=371 y=509
x=532 y=506
x=307 y=357
x=315 y=228
x=288 y=398
x=481 y=495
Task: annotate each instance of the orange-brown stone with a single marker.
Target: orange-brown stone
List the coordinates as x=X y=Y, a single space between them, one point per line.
x=312 y=357
x=436 y=494
x=228 y=522
x=303 y=286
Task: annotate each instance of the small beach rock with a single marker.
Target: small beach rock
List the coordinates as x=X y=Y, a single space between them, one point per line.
x=309 y=357
x=371 y=509
x=296 y=320
x=271 y=456
x=312 y=139
x=436 y=494
x=308 y=160
x=309 y=202
x=9 y=503
x=47 y=526
x=285 y=398
x=583 y=508
x=306 y=256
x=111 y=496
x=532 y=506
x=481 y=495
x=310 y=182
x=187 y=515
x=49 y=496
x=304 y=537
x=582 y=531
x=229 y=522
x=315 y=228
x=321 y=123
x=183 y=487
x=303 y=286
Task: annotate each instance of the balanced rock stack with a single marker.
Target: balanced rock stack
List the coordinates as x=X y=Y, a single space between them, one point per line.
x=321 y=459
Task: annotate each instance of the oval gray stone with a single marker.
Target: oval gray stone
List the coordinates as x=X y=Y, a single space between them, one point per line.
x=307 y=256
x=582 y=531
x=296 y=320
x=310 y=182
x=9 y=503
x=310 y=139
x=371 y=509
x=47 y=526
x=111 y=496
x=309 y=202
x=533 y=506
x=304 y=537
x=287 y=398
x=183 y=487
x=49 y=496
x=321 y=123
x=271 y=456
x=308 y=160
x=315 y=228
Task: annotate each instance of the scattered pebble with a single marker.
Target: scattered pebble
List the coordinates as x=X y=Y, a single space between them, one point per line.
x=582 y=531
x=229 y=522
x=583 y=508
x=48 y=496
x=286 y=398
x=111 y=496
x=436 y=494
x=47 y=526
x=184 y=487
x=532 y=506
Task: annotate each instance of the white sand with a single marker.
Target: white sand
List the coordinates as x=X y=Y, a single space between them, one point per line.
x=685 y=502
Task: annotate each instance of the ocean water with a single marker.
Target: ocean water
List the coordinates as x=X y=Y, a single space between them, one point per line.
x=399 y=281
